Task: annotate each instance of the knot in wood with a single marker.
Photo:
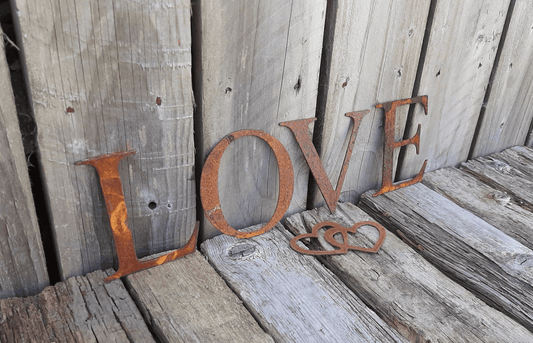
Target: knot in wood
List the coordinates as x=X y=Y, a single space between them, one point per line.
x=241 y=250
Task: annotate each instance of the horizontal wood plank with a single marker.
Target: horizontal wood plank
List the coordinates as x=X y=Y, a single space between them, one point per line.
x=293 y=296
x=187 y=301
x=81 y=309
x=405 y=289
x=498 y=208
x=494 y=266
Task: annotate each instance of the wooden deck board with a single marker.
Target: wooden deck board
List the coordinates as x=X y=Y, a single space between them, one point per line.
x=81 y=309
x=494 y=266
x=293 y=296
x=186 y=301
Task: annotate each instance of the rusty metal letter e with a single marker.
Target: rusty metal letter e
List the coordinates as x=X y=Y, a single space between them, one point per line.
x=107 y=169
x=390 y=144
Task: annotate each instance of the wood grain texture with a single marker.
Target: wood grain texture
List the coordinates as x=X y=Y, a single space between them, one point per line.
x=22 y=259
x=514 y=176
x=498 y=208
x=95 y=70
x=494 y=266
x=81 y=309
x=509 y=111
x=260 y=65
x=461 y=50
x=405 y=289
x=187 y=301
x=293 y=296
x=375 y=56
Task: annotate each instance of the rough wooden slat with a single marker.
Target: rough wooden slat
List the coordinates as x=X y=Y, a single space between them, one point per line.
x=22 y=263
x=498 y=208
x=293 y=296
x=508 y=111
x=187 y=301
x=512 y=178
x=374 y=59
x=95 y=70
x=519 y=157
x=404 y=289
x=495 y=267
x=81 y=309
x=260 y=65
x=462 y=46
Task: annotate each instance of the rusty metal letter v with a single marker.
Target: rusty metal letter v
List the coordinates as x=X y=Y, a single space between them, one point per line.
x=107 y=169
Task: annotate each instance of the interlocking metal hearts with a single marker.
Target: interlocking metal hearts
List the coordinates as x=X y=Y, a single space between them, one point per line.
x=329 y=237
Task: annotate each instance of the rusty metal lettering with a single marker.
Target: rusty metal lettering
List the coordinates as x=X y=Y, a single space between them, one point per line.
x=300 y=130
x=335 y=228
x=209 y=184
x=107 y=169
x=390 y=144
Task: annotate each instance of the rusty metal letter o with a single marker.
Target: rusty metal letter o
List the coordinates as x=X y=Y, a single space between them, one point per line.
x=209 y=184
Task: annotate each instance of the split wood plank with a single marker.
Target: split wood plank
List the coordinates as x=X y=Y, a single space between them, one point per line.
x=260 y=66
x=293 y=296
x=492 y=265
x=458 y=62
x=505 y=174
x=22 y=261
x=375 y=55
x=498 y=208
x=403 y=288
x=96 y=70
x=187 y=301
x=81 y=309
x=508 y=112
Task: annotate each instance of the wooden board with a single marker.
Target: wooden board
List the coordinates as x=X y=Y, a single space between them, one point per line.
x=461 y=50
x=292 y=295
x=512 y=177
x=22 y=259
x=403 y=288
x=187 y=301
x=495 y=267
x=95 y=71
x=81 y=309
x=498 y=208
x=508 y=114
x=260 y=65
x=375 y=54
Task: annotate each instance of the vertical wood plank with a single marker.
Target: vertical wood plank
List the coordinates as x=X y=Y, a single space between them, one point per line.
x=509 y=110
x=260 y=65
x=95 y=71
x=375 y=55
x=461 y=50
x=22 y=262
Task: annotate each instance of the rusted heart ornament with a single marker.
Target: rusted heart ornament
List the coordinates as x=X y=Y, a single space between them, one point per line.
x=344 y=246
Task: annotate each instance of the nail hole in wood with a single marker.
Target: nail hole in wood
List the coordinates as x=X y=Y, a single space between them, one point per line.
x=158 y=101
x=152 y=205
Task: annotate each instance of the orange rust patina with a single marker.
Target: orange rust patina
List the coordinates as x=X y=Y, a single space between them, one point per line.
x=209 y=184
x=390 y=144
x=107 y=169
x=335 y=228
x=300 y=130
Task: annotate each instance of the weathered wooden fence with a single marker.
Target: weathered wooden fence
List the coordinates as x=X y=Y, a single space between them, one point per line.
x=114 y=75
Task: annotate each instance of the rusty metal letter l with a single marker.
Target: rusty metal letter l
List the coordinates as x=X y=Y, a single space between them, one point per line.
x=107 y=169
x=390 y=144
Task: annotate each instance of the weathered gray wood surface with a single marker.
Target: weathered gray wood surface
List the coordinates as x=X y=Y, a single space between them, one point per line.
x=495 y=267
x=404 y=289
x=509 y=112
x=81 y=309
x=510 y=175
x=375 y=56
x=293 y=296
x=187 y=301
x=95 y=71
x=22 y=262
x=498 y=208
x=260 y=66
x=459 y=58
